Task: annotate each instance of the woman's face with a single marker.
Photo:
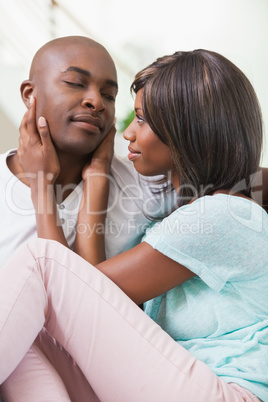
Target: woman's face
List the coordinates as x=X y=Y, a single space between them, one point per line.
x=148 y=153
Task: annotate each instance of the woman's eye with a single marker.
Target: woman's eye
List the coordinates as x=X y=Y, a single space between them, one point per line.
x=140 y=119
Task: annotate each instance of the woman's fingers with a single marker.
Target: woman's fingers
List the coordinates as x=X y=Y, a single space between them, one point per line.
x=44 y=134
x=110 y=136
x=36 y=152
x=106 y=147
x=28 y=130
x=102 y=157
x=51 y=162
x=32 y=112
x=32 y=131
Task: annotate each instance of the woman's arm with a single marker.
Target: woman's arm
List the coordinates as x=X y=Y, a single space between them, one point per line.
x=144 y=273
x=39 y=160
x=93 y=208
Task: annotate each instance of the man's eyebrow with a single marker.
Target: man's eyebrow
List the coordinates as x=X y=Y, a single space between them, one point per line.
x=78 y=70
x=112 y=83
x=87 y=74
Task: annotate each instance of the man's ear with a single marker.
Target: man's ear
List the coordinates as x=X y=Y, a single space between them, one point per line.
x=26 y=90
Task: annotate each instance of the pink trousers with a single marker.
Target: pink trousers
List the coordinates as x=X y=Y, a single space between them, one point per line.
x=108 y=343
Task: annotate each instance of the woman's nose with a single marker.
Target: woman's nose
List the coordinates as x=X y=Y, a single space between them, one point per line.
x=129 y=133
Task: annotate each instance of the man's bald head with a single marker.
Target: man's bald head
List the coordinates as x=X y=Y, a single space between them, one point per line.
x=59 y=45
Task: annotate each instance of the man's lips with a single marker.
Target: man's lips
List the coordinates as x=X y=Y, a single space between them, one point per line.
x=133 y=154
x=87 y=120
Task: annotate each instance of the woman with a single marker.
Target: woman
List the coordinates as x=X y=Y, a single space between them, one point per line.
x=202 y=272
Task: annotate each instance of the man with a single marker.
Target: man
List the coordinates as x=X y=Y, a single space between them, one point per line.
x=74 y=83
x=73 y=80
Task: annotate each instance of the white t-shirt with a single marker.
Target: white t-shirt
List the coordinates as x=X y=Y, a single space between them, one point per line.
x=131 y=198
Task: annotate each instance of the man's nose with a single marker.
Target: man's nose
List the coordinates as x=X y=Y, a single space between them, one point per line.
x=93 y=100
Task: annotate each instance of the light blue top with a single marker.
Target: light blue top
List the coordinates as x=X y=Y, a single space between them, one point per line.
x=221 y=315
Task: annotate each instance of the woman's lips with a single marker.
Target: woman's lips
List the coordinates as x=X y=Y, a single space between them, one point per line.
x=133 y=154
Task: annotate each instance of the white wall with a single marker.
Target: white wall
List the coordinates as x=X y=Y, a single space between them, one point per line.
x=141 y=30
x=136 y=32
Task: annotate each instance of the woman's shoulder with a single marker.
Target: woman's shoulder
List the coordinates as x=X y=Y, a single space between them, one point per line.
x=221 y=204
x=216 y=215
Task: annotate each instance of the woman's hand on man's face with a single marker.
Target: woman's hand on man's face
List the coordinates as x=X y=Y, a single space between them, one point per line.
x=102 y=157
x=36 y=153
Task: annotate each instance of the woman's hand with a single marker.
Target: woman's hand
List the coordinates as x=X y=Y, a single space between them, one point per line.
x=39 y=160
x=102 y=157
x=36 y=152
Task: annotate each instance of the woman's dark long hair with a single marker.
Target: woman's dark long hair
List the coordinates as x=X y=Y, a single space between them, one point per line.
x=205 y=109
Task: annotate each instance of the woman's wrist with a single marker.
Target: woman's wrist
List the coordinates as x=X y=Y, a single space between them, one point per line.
x=96 y=171
x=96 y=192
x=42 y=194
